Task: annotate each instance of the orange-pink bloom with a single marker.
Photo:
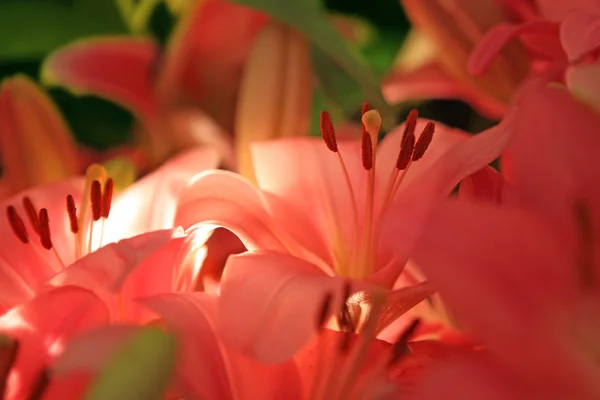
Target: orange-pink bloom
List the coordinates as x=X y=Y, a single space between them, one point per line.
x=521 y=271
x=320 y=219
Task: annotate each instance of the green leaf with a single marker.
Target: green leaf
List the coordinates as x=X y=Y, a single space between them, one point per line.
x=140 y=369
x=31 y=28
x=308 y=17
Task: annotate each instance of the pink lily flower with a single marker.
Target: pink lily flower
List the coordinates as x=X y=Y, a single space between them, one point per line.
x=210 y=80
x=51 y=227
x=433 y=60
x=319 y=219
x=531 y=265
x=103 y=277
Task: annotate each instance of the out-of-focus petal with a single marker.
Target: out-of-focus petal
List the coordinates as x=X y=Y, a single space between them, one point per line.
x=534 y=153
x=584 y=83
x=270 y=303
x=479 y=263
x=432 y=81
x=224 y=199
x=580 y=33
x=493 y=42
x=207 y=368
x=488 y=185
x=557 y=10
x=276 y=104
x=151 y=203
x=205 y=56
x=36 y=143
x=119 y=69
x=43 y=325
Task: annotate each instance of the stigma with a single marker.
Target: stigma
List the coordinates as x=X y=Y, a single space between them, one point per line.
x=356 y=259
x=86 y=224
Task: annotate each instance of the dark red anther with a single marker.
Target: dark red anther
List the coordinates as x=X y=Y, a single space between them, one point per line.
x=45 y=238
x=367 y=152
x=424 y=141
x=406 y=152
x=107 y=197
x=324 y=312
x=411 y=124
x=72 y=212
x=585 y=260
x=16 y=224
x=32 y=214
x=96 y=199
x=328 y=132
x=400 y=348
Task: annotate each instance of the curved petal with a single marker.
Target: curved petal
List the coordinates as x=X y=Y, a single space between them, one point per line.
x=117 y=68
x=432 y=81
x=225 y=199
x=23 y=267
x=205 y=56
x=561 y=132
x=151 y=203
x=208 y=369
x=488 y=185
x=491 y=44
x=580 y=33
x=36 y=143
x=106 y=270
x=584 y=83
x=521 y=276
x=403 y=223
x=43 y=325
x=270 y=303
x=311 y=180
x=558 y=10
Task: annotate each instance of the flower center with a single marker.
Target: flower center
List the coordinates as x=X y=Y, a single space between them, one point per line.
x=95 y=208
x=357 y=259
x=353 y=366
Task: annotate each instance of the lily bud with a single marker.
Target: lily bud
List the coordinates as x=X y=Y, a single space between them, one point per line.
x=275 y=94
x=36 y=144
x=455 y=27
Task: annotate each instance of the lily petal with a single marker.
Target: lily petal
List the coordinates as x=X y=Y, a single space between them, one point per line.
x=580 y=33
x=119 y=69
x=455 y=264
x=432 y=81
x=208 y=369
x=584 y=83
x=270 y=303
x=549 y=109
x=150 y=203
x=43 y=325
x=488 y=185
x=436 y=182
x=205 y=56
x=225 y=199
x=557 y=10
x=36 y=143
x=492 y=43
x=106 y=271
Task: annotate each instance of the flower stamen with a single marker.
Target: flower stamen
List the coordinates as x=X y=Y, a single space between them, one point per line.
x=45 y=238
x=32 y=214
x=17 y=225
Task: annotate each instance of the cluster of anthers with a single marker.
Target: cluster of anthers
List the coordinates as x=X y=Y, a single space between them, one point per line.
x=350 y=369
x=97 y=198
x=357 y=260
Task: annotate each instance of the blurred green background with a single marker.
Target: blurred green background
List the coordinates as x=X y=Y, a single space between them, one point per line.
x=30 y=29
